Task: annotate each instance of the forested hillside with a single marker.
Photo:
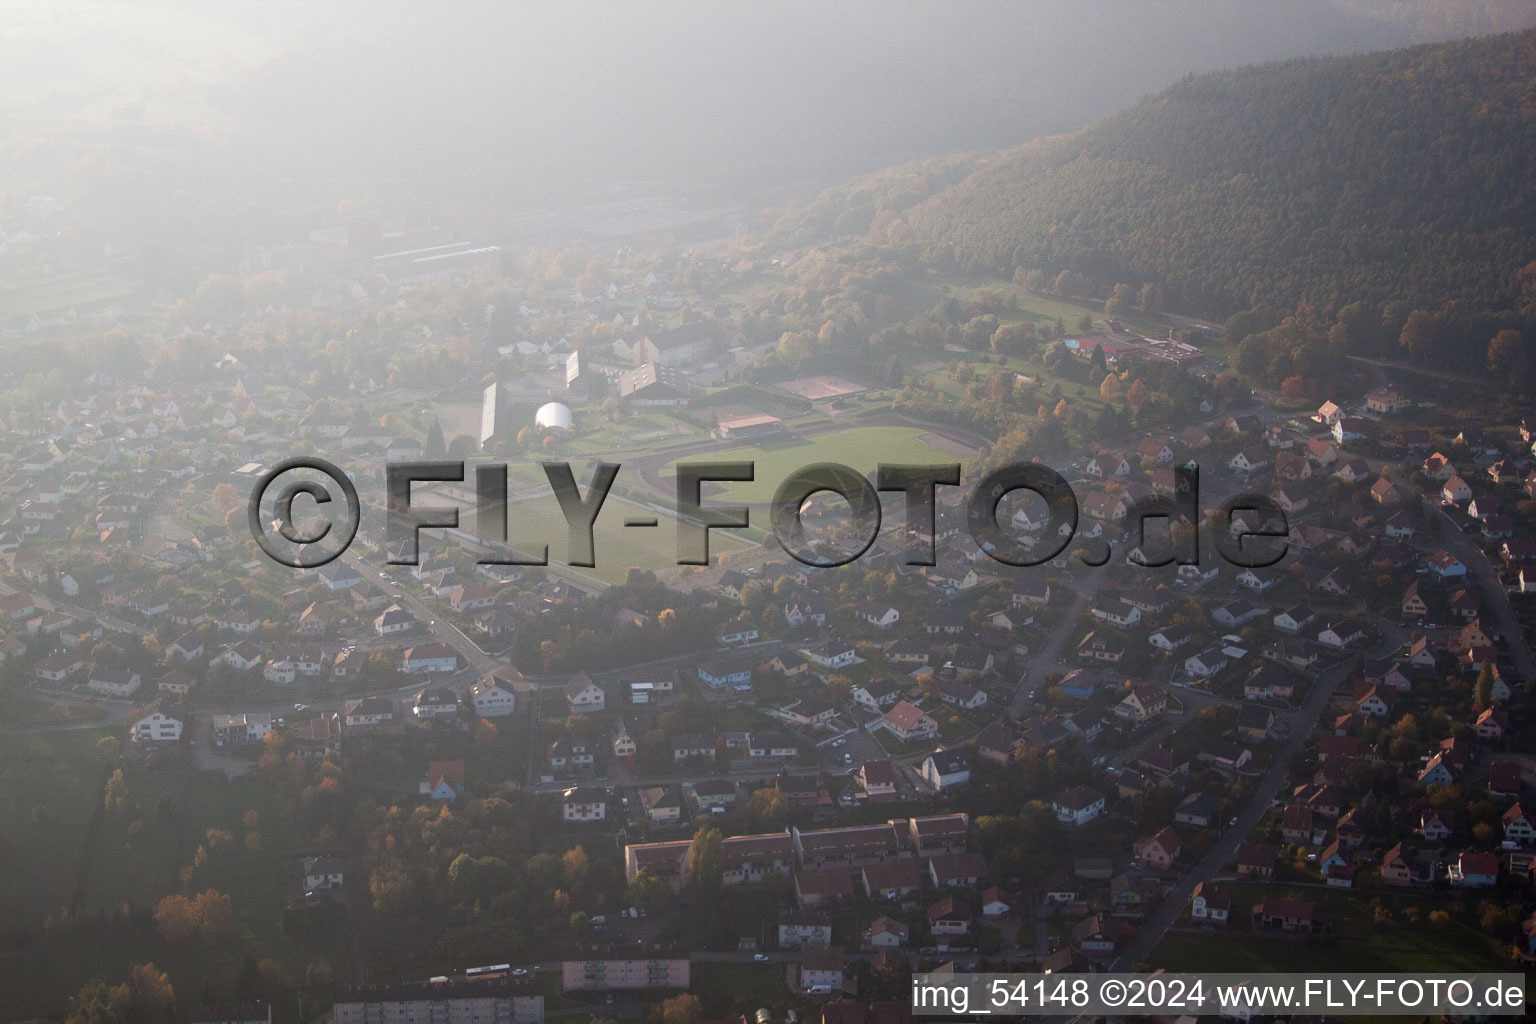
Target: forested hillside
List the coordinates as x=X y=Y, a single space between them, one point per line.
x=1397 y=177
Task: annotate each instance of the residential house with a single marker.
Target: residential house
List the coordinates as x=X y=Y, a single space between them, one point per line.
x=1209 y=904
x=946 y=769
x=583 y=696
x=1078 y=805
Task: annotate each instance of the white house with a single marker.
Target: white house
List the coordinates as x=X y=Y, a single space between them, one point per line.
x=1078 y=806
x=1205 y=664
x=1210 y=904
x=492 y=699
x=322 y=873
x=426 y=659
x=881 y=616
x=113 y=682
x=907 y=722
x=584 y=803
x=946 y=769
x=583 y=696
x=436 y=702
x=157 y=728
x=392 y=620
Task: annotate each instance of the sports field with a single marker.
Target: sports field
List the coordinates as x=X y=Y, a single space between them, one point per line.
x=862 y=448
x=617 y=548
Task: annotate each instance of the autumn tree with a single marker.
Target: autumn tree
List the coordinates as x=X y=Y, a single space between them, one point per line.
x=116 y=793
x=575 y=868
x=839 y=689
x=1483 y=692
x=146 y=998
x=1014 y=339
x=225 y=498
x=1136 y=394
x=683 y=1008
x=391 y=887
x=649 y=892
x=1110 y=389
x=706 y=862
x=208 y=916
x=769 y=807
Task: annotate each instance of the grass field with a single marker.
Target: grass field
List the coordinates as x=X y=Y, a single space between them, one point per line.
x=618 y=548
x=862 y=448
x=1356 y=938
x=51 y=782
x=763 y=983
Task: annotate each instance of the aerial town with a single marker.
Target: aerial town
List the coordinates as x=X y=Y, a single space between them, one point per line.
x=687 y=513
x=538 y=780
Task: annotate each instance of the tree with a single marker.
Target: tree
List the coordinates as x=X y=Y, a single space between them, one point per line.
x=1418 y=334
x=175 y=919
x=1109 y=388
x=225 y=498
x=706 y=862
x=1012 y=339
x=146 y=998
x=1136 y=394
x=1294 y=388
x=769 y=807
x=648 y=892
x=436 y=448
x=391 y=887
x=1119 y=301
x=1483 y=692
x=683 y=1008
x=107 y=749
x=208 y=916
x=1151 y=300
x=1062 y=411
x=1506 y=356
x=575 y=868
x=116 y=797
x=1070 y=283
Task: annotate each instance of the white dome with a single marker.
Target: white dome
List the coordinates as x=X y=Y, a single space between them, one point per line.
x=554 y=415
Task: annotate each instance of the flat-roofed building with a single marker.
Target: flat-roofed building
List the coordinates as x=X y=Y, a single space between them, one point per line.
x=452 y=1001
x=599 y=970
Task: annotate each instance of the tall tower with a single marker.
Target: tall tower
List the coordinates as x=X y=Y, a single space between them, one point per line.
x=493 y=402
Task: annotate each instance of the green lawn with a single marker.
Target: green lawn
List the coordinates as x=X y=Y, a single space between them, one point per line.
x=617 y=548
x=1043 y=310
x=862 y=448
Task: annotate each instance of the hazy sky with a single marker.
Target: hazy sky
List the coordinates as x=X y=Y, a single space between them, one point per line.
x=504 y=100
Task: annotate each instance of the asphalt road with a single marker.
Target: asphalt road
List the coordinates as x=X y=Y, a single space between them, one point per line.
x=1301 y=723
x=1495 y=597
